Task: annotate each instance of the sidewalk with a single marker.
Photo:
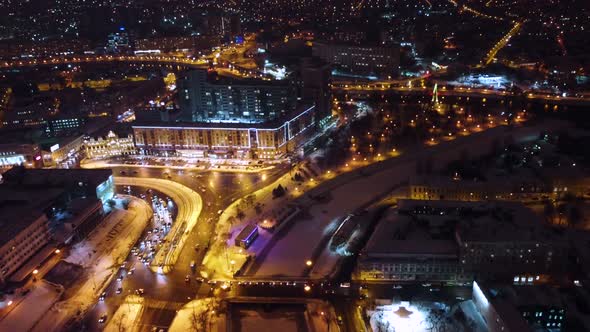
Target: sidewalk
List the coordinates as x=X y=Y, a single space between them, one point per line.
x=127 y=316
x=100 y=263
x=226 y=167
x=26 y=312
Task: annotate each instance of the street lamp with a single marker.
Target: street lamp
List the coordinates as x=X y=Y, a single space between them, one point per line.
x=308 y=262
x=307 y=288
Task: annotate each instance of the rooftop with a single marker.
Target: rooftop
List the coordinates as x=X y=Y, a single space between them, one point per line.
x=273 y=124
x=20 y=207
x=55 y=177
x=491 y=221
x=403 y=236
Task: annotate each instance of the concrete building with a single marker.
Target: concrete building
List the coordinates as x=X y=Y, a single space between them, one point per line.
x=236 y=140
x=405 y=249
x=110 y=146
x=37 y=204
x=25 y=227
x=382 y=61
x=316 y=80
x=451 y=241
x=66 y=148
x=520 y=308
x=216 y=99
x=456 y=189
x=77 y=183
x=28 y=155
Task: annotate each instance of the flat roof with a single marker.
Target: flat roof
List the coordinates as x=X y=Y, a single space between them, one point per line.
x=401 y=236
x=55 y=177
x=21 y=207
x=486 y=221
x=246 y=231
x=272 y=124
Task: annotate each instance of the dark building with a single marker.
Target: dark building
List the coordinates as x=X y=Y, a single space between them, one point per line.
x=316 y=78
x=360 y=59
x=212 y=98
x=43 y=207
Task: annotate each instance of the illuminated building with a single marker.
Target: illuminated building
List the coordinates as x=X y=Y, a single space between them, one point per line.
x=229 y=140
x=63 y=125
x=66 y=148
x=119 y=42
x=110 y=146
x=360 y=59
x=28 y=155
x=222 y=99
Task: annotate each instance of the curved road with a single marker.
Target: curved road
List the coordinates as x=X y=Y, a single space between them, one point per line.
x=189 y=205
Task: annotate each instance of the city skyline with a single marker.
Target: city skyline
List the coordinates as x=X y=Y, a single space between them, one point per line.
x=281 y=165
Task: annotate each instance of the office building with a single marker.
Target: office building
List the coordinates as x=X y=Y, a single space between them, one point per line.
x=452 y=241
x=28 y=155
x=25 y=227
x=266 y=140
x=38 y=204
x=64 y=125
x=519 y=308
x=216 y=99
x=382 y=61
x=65 y=148
x=316 y=81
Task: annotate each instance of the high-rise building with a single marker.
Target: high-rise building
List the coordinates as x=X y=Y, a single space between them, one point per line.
x=316 y=78
x=220 y=99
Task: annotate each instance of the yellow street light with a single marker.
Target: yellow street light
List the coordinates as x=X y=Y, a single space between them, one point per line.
x=308 y=262
x=307 y=288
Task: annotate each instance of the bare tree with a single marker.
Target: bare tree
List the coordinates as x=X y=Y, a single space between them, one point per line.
x=120 y=323
x=198 y=319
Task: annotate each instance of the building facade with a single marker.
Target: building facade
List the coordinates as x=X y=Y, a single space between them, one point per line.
x=365 y=60
x=110 y=146
x=28 y=155
x=268 y=140
x=14 y=252
x=225 y=100
x=451 y=241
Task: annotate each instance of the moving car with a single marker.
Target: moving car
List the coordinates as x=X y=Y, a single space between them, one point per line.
x=102 y=319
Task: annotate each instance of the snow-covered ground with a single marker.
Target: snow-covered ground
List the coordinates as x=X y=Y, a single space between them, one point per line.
x=354 y=190
x=101 y=256
x=31 y=308
x=255 y=321
x=197 y=313
x=127 y=317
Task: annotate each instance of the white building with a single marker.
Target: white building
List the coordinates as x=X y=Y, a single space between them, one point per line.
x=110 y=146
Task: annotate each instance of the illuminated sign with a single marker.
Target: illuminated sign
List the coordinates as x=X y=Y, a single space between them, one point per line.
x=54 y=148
